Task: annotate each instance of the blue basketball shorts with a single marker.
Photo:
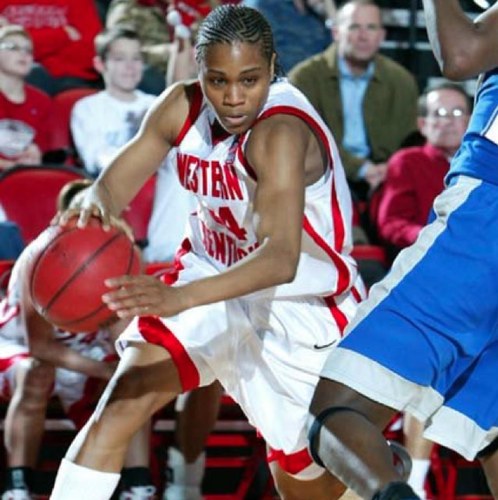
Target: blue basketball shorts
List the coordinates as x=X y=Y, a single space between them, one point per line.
x=426 y=339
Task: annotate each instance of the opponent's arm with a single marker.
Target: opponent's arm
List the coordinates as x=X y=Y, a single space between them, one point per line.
x=276 y=150
x=463 y=47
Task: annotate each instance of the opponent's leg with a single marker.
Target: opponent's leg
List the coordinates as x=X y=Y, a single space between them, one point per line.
x=145 y=380
x=346 y=437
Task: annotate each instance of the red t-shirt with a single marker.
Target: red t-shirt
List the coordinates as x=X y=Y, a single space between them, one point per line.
x=34 y=111
x=45 y=21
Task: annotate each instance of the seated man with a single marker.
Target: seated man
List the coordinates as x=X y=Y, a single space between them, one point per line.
x=415 y=175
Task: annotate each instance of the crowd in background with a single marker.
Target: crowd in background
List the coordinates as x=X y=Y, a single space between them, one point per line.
x=395 y=140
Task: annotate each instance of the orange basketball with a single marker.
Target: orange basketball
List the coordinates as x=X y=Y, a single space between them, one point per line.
x=67 y=270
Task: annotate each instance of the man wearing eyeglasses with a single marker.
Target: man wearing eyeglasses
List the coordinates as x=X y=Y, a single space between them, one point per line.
x=415 y=175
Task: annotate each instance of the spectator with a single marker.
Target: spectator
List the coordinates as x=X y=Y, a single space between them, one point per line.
x=148 y=19
x=62 y=33
x=298 y=26
x=103 y=122
x=415 y=175
x=38 y=361
x=24 y=110
x=380 y=96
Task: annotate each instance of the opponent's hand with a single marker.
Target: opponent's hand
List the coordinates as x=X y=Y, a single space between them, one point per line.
x=143 y=295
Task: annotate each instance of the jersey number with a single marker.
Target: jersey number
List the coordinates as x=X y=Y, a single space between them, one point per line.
x=225 y=218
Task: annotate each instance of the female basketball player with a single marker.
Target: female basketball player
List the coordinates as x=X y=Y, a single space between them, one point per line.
x=263 y=285
x=436 y=311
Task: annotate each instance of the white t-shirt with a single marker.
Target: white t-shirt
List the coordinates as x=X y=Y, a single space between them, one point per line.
x=172 y=206
x=102 y=124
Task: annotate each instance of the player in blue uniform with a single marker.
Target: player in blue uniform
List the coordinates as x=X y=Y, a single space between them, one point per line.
x=426 y=340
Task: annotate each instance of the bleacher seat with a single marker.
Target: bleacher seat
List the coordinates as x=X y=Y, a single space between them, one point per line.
x=61 y=117
x=28 y=195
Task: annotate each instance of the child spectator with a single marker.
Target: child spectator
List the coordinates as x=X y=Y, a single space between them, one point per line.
x=148 y=19
x=63 y=32
x=102 y=123
x=24 y=110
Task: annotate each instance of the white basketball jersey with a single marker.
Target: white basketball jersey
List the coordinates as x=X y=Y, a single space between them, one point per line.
x=220 y=176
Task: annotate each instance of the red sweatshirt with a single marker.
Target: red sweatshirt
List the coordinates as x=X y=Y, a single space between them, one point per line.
x=35 y=111
x=45 y=21
x=415 y=176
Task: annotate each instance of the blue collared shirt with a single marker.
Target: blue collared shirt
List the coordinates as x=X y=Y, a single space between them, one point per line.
x=353 y=88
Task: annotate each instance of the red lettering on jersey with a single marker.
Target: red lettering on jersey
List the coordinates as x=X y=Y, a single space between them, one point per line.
x=222 y=247
x=225 y=218
x=204 y=164
x=216 y=179
x=209 y=178
x=232 y=182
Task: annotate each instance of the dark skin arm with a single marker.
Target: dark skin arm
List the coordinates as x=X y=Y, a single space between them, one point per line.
x=463 y=47
x=281 y=142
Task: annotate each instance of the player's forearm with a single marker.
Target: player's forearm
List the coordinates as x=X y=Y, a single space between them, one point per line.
x=267 y=267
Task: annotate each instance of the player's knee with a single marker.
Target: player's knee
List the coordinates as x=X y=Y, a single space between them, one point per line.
x=325 y=418
x=37 y=377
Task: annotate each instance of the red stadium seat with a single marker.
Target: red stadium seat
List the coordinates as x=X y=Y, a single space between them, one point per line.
x=61 y=117
x=5 y=269
x=28 y=195
x=448 y=470
x=375 y=253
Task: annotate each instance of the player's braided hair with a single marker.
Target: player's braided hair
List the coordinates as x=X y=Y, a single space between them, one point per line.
x=235 y=23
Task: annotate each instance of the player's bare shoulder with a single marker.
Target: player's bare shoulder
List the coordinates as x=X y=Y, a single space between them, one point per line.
x=288 y=139
x=279 y=134
x=171 y=108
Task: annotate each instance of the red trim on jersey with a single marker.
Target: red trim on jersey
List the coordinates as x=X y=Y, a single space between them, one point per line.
x=7 y=312
x=340 y=318
x=171 y=275
x=6 y=363
x=243 y=160
x=293 y=463
x=356 y=294
x=156 y=332
x=339 y=227
x=343 y=274
x=193 y=113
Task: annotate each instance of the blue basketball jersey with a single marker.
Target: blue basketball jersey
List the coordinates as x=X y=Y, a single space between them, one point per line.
x=478 y=154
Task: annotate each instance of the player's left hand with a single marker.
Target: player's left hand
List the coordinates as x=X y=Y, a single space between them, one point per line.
x=143 y=295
